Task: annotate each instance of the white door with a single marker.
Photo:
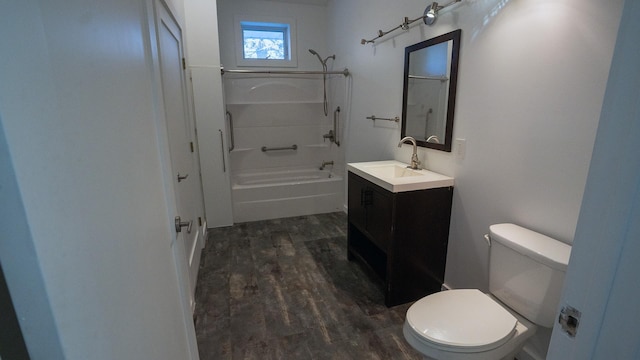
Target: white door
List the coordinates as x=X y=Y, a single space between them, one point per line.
x=186 y=177
x=603 y=281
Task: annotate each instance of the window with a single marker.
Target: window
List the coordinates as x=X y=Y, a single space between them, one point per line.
x=265 y=43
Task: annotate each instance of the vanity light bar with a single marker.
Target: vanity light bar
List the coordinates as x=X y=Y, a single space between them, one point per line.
x=429 y=16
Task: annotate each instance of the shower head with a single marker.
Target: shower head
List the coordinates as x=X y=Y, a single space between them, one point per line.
x=323 y=62
x=318 y=55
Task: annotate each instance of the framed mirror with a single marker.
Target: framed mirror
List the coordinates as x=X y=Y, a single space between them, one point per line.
x=429 y=93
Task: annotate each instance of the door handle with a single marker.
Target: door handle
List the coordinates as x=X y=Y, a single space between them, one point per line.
x=180 y=224
x=180 y=178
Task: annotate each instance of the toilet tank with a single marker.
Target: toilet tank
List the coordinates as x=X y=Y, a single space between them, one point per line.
x=526 y=271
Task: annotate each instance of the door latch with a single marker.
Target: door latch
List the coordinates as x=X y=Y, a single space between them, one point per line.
x=569 y=320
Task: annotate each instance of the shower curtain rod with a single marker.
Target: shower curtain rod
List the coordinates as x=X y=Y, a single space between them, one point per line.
x=344 y=72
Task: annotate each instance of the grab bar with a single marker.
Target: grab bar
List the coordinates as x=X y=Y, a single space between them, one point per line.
x=233 y=142
x=374 y=118
x=292 y=147
x=336 y=113
x=224 y=165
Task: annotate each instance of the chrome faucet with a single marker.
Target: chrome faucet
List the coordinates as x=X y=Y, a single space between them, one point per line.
x=325 y=163
x=415 y=163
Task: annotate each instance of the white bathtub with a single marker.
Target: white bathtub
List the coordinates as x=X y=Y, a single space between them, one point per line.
x=285 y=193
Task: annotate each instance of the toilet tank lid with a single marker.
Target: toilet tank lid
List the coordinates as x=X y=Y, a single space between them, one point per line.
x=536 y=246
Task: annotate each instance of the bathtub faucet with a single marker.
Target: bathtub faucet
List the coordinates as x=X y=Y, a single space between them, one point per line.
x=325 y=163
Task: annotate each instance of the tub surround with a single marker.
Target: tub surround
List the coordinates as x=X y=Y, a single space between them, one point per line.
x=284 y=114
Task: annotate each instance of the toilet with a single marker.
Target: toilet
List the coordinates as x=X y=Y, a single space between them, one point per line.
x=526 y=273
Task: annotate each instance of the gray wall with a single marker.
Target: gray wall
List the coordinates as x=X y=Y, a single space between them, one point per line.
x=530 y=87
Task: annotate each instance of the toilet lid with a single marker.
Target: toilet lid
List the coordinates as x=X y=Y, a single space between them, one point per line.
x=461 y=320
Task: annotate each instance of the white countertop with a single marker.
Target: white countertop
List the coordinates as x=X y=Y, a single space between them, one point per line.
x=394 y=176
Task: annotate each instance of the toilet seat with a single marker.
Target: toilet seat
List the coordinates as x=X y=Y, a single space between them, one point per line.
x=465 y=320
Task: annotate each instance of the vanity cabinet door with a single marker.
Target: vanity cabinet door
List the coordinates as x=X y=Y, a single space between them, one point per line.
x=356 y=202
x=371 y=210
x=365 y=240
x=379 y=216
x=418 y=252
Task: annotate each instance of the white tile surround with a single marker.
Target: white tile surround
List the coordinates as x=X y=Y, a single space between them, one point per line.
x=281 y=111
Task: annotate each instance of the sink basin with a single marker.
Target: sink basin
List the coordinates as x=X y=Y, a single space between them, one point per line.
x=395 y=176
x=391 y=171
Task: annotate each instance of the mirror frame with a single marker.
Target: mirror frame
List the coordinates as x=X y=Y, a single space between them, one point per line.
x=453 y=80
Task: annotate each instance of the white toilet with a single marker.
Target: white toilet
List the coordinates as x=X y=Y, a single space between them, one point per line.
x=526 y=273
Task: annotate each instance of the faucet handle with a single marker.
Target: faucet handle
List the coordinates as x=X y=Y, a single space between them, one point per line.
x=415 y=162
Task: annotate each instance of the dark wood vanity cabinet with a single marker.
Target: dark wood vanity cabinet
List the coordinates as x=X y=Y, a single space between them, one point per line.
x=401 y=236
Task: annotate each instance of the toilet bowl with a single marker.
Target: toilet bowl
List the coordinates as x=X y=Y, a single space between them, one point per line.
x=526 y=273
x=465 y=324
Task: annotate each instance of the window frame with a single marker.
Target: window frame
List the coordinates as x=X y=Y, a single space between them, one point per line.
x=265 y=22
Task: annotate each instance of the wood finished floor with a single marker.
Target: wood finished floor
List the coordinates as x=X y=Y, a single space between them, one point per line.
x=283 y=289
